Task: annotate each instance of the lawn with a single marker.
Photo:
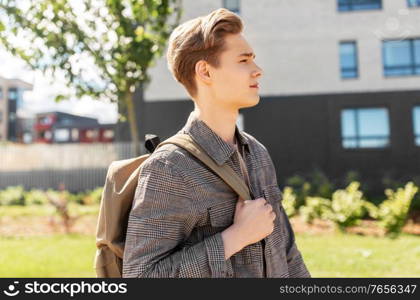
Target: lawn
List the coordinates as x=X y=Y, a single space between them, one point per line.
x=325 y=256
x=349 y=255
x=49 y=256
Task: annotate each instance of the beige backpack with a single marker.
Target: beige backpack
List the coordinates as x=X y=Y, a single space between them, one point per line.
x=118 y=194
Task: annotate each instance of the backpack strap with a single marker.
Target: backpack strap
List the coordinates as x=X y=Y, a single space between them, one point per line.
x=225 y=172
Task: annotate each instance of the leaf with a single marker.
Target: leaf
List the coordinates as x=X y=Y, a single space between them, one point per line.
x=59 y=98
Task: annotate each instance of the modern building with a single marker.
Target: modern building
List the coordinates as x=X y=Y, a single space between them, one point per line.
x=11 y=91
x=60 y=127
x=340 y=91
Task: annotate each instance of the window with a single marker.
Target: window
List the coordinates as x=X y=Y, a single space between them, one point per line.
x=401 y=57
x=47 y=120
x=108 y=134
x=61 y=135
x=416 y=124
x=13 y=95
x=348 y=60
x=1 y=93
x=232 y=5
x=413 y=3
x=349 y=5
x=92 y=134
x=47 y=135
x=75 y=134
x=365 y=128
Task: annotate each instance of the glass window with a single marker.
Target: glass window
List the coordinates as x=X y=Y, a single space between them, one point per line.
x=75 y=134
x=13 y=94
x=232 y=5
x=413 y=3
x=108 y=134
x=46 y=120
x=416 y=45
x=365 y=128
x=61 y=135
x=92 y=134
x=401 y=58
x=349 y=5
x=416 y=124
x=348 y=60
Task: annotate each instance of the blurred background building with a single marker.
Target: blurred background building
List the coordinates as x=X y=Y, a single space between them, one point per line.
x=60 y=127
x=12 y=125
x=340 y=91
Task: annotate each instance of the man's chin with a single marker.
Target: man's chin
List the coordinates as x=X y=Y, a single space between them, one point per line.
x=252 y=102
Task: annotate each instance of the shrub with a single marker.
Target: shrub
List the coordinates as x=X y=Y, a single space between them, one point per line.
x=35 y=197
x=321 y=186
x=93 y=196
x=347 y=206
x=77 y=198
x=393 y=211
x=314 y=208
x=13 y=195
x=316 y=184
x=301 y=188
x=289 y=201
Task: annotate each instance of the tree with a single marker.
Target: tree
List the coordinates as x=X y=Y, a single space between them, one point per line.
x=103 y=47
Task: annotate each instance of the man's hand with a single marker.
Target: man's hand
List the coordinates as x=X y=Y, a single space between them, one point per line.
x=253 y=221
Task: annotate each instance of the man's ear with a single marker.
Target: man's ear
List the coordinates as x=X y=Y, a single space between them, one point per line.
x=202 y=71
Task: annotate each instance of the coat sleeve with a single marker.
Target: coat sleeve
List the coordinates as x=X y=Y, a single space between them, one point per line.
x=161 y=219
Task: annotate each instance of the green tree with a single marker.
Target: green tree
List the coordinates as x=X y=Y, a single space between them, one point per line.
x=118 y=39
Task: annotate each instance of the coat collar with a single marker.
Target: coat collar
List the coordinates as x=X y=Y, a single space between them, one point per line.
x=212 y=143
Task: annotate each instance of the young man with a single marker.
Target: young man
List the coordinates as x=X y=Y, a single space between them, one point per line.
x=185 y=220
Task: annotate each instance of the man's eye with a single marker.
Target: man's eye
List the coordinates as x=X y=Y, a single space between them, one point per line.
x=244 y=60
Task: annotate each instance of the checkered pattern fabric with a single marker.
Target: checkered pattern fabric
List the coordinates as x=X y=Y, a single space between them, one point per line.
x=181 y=207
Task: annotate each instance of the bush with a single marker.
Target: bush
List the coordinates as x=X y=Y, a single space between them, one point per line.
x=316 y=184
x=78 y=198
x=348 y=206
x=13 y=195
x=93 y=196
x=315 y=208
x=35 y=197
x=289 y=201
x=301 y=188
x=415 y=203
x=393 y=211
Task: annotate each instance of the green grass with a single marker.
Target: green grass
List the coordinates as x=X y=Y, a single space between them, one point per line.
x=50 y=256
x=348 y=255
x=46 y=210
x=325 y=256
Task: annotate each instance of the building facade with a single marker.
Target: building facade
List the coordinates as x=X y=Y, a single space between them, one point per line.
x=340 y=91
x=11 y=91
x=59 y=127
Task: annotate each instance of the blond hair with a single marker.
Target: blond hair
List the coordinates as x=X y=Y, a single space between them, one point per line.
x=198 y=39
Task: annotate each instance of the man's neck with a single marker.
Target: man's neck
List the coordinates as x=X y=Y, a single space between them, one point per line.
x=221 y=121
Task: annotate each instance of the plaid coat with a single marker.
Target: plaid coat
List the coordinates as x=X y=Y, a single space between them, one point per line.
x=181 y=207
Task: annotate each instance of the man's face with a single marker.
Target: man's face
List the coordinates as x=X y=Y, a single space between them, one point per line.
x=233 y=81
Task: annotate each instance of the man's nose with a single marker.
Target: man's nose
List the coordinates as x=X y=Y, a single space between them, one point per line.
x=258 y=72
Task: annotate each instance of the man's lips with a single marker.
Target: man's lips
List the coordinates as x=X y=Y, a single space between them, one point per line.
x=254 y=86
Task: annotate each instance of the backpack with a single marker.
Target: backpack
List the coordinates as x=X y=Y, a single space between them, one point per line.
x=117 y=197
